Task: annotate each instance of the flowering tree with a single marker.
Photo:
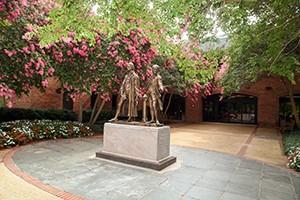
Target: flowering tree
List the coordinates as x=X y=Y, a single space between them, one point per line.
x=23 y=63
x=164 y=23
x=95 y=61
x=80 y=68
x=83 y=68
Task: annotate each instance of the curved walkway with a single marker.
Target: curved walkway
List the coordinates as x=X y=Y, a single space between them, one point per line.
x=13 y=187
x=199 y=174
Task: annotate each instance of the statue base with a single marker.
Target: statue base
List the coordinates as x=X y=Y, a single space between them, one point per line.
x=142 y=146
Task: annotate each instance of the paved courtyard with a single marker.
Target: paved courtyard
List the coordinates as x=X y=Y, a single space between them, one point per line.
x=243 y=140
x=199 y=174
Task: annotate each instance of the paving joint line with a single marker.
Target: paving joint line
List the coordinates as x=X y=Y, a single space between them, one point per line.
x=245 y=145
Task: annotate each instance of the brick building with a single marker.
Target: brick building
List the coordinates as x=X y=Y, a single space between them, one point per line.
x=264 y=103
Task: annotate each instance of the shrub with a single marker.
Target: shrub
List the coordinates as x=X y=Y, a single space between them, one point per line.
x=21 y=132
x=104 y=115
x=11 y=114
x=291 y=142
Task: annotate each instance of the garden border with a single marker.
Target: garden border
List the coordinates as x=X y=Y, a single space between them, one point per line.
x=10 y=164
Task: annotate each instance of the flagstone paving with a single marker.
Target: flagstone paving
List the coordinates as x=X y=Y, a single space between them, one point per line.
x=199 y=174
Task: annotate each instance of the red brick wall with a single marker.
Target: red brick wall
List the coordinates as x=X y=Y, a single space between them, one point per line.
x=39 y=100
x=267 y=90
x=87 y=104
x=193 y=109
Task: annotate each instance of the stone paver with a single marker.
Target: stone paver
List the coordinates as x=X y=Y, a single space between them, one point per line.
x=199 y=174
x=262 y=144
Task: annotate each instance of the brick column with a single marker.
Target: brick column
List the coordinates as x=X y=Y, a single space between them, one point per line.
x=268 y=110
x=193 y=109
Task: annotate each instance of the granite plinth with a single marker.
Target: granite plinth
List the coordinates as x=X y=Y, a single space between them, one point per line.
x=137 y=145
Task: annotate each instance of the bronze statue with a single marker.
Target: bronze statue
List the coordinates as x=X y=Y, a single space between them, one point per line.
x=153 y=97
x=130 y=93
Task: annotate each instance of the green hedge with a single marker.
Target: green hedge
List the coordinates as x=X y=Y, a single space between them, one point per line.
x=11 y=114
x=103 y=116
x=291 y=143
x=24 y=131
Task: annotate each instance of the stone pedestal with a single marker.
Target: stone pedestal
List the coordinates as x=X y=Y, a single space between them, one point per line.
x=137 y=145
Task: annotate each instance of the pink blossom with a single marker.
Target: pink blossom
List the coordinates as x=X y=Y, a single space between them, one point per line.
x=1 y=6
x=71 y=34
x=98 y=42
x=67 y=40
x=45 y=83
x=149 y=72
x=144 y=41
x=41 y=72
x=7 y=93
x=10 y=53
x=120 y=63
x=48 y=46
x=115 y=43
x=36 y=65
x=82 y=53
x=26 y=50
x=32 y=47
x=29 y=27
x=84 y=47
x=41 y=62
x=126 y=40
x=132 y=33
x=51 y=71
x=29 y=73
x=9 y=104
x=69 y=53
x=24 y=2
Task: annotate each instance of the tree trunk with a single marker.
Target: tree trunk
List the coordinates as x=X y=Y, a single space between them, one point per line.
x=168 y=105
x=289 y=87
x=98 y=112
x=80 y=111
x=163 y=97
x=94 y=109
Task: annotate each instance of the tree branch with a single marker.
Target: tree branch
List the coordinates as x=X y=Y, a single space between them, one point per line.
x=294 y=47
x=281 y=25
x=280 y=52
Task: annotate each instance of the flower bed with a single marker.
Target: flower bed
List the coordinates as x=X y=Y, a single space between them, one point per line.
x=291 y=142
x=21 y=132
